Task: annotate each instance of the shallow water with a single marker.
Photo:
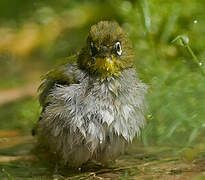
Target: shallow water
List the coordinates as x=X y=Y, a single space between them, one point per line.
x=18 y=161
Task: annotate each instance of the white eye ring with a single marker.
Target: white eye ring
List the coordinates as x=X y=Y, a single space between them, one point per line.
x=118 y=48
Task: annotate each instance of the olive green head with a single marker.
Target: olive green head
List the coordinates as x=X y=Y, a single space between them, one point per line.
x=107 y=51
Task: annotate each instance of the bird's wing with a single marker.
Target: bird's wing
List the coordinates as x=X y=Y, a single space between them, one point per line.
x=63 y=74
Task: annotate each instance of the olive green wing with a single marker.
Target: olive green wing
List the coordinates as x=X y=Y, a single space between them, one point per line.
x=63 y=74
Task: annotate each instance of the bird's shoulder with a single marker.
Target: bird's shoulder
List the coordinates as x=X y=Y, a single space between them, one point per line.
x=63 y=74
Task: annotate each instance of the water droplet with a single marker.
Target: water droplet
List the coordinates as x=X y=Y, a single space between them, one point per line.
x=184 y=41
x=126 y=6
x=101 y=140
x=195 y=21
x=200 y=64
x=149 y=116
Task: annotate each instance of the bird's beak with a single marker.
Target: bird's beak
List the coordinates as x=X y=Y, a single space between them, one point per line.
x=108 y=63
x=108 y=59
x=105 y=55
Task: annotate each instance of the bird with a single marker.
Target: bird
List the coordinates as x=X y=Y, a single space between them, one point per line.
x=94 y=103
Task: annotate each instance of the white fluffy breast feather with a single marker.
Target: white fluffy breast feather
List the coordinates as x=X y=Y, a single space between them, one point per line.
x=93 y=109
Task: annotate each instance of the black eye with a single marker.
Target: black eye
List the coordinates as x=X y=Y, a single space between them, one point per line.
x=93 y=49
x=118 y=48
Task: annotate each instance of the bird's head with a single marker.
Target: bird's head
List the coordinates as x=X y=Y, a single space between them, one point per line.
x=107 y=51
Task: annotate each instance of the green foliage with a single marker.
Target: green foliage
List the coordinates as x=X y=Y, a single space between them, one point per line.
x=176 y=95
x=20 y=115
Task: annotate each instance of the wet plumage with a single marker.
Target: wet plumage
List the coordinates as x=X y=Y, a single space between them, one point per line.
x=93 y=105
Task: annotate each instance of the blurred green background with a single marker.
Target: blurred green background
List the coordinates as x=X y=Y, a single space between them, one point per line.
x=35 y=35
